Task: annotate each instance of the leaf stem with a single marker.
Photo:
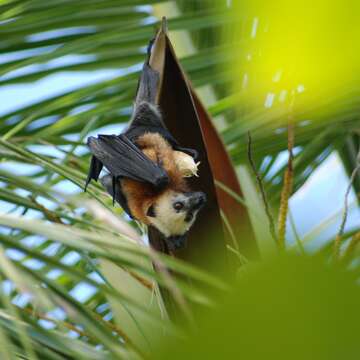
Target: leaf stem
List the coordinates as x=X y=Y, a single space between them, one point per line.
x=262 y=190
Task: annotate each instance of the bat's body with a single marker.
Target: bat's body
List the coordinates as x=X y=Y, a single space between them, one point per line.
x=148 y=168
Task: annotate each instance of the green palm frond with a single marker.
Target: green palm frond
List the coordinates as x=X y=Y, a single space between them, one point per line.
x=74 y=283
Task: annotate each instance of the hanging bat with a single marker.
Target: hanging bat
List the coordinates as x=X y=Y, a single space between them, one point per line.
x=148 y=168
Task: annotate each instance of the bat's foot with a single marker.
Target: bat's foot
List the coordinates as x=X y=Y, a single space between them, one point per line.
x=176 y=242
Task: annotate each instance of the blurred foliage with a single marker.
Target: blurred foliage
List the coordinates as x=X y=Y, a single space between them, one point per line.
x=286 y=308
x=74 y=285
x=307 y=42
x=297 y=60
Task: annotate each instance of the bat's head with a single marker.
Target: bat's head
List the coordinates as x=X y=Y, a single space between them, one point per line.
x=173 y=213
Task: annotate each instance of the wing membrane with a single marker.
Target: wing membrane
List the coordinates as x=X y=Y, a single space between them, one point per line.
x=123 y=159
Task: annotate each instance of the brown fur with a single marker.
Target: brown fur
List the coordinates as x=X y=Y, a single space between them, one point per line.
x=141 y=196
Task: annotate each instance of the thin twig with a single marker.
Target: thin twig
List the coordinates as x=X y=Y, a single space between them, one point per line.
x=242 y=259
x=262 y=190
x=114 y=328
x=287 y=189
x=66 y=324
x=339 y=236
x=51 y=216
x=229 y=229
x=297 y=237
x=148 y=284
x=351 y=248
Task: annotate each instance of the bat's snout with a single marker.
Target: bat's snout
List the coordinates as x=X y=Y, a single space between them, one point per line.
x=196 y=200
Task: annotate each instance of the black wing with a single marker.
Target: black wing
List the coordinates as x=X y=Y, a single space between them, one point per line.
x=146 y=117
x=124 y=160
x=94 y=171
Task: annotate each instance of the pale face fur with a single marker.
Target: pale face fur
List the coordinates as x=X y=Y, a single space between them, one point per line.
x=170 y=221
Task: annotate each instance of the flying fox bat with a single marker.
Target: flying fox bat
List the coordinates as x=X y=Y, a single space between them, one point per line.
x=148 y=168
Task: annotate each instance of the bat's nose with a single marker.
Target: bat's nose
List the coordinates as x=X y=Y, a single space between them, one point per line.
x=197 y=200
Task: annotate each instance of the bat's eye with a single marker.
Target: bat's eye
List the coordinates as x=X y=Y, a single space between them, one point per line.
x=178 y=205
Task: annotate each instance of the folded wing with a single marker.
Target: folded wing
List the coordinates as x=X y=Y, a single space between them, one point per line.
x=123 y=159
